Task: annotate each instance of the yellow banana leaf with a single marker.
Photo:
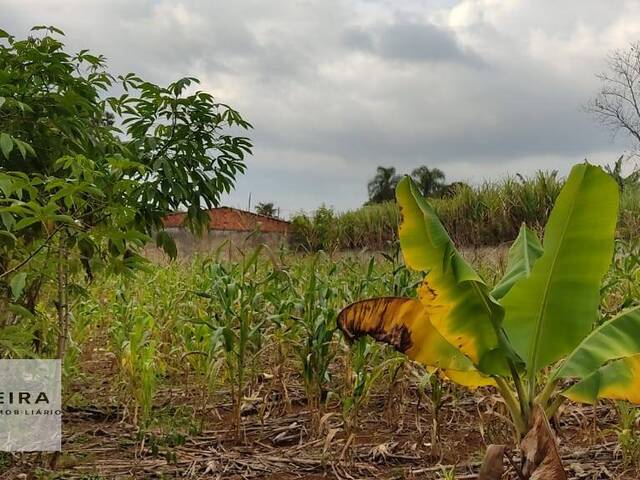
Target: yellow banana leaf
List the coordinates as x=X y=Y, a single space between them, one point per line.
x=618 y=380
x=456 y=298
x=404 y=323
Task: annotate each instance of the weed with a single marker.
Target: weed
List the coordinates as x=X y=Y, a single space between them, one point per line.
x=628 y=433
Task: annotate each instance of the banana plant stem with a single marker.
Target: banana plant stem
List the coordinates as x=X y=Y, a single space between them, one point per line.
x=547 y=391
x=553 y=407
x=512 y=406
x=525 y=407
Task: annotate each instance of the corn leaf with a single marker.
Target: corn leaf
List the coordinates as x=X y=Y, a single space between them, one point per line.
x=618 y=380
x=456 y=298
x=615 y=339
x=522 y=255
x=404 y=323
x=550 y=312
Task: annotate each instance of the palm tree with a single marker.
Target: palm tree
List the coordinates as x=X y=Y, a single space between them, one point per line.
x=267 y=208
x=429 y=180
x=383 y=186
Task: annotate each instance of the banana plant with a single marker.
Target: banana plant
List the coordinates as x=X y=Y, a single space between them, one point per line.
x=532 y=334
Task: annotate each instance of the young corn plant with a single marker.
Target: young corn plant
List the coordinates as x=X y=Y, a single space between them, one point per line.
x=235 y=315
x=432 y=387
x=133 y=336
x=317 y=324
x=628 y=433
x=533 y=330
x=365 y=367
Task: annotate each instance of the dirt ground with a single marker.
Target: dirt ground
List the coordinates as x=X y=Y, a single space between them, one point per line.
x=281 y=439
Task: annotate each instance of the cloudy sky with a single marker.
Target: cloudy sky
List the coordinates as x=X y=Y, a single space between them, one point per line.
x=478 y=88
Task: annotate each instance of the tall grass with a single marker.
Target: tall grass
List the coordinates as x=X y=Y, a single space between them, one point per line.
x=485 y=215
x=629 y=223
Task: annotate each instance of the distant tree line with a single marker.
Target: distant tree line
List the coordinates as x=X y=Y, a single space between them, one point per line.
x=430 y=181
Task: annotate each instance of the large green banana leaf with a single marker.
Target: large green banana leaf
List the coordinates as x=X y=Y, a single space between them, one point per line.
x=522 y=255
x=618 y=380
x=455 y=297
x=616 y=338
x=548 y=313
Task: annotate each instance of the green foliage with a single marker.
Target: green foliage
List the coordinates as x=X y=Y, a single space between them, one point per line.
x=628 y=433
x=550 y=311
x=316 y=321
x=624 y=182
x=267 y=208
x=382 y=187
x=135 y=344
x=315 y=233
x=225 y=326
x=547 y=304
x=86 y=178
x=430 y=181
x=489 y=214
x=233 y=317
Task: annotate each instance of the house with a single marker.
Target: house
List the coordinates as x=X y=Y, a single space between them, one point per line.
x=234 y=227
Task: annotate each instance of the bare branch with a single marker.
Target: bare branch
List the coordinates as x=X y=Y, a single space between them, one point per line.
x=617 y=104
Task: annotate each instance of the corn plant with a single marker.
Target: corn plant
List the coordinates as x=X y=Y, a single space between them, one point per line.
x=201 y=345
x=234 y=315
x=366 y=366
x=529 y=333
x=432 y=387
x=628 y=433
x=317 y=325
x=278 y=290
x=133 y=336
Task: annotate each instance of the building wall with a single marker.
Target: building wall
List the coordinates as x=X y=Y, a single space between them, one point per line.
x=237 y=229
x=189 y=244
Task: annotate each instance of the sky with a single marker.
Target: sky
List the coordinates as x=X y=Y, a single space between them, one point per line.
x=478 y=88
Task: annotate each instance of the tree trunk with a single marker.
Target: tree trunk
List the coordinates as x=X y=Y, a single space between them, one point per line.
x=61 y=303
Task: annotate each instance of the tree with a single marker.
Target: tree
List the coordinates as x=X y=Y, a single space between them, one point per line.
x=617 y=105
x=86 y=178
x=430 y=181
x=267 y=208
x=452 y=189
x=382 y=187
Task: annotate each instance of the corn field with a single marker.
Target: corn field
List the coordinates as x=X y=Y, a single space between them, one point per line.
x=246 y=352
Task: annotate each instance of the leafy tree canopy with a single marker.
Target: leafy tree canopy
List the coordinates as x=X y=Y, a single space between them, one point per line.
x=382 y=187
x=93 y=173
x=267 y=208
x=430 y=181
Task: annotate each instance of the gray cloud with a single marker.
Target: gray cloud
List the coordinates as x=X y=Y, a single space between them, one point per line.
x=410 y=42
x=334 y=88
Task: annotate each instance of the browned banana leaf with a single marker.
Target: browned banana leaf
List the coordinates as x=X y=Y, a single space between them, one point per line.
x=541 y=459
x=405 y=324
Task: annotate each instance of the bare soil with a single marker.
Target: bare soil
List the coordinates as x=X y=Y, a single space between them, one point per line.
x=281 y=439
